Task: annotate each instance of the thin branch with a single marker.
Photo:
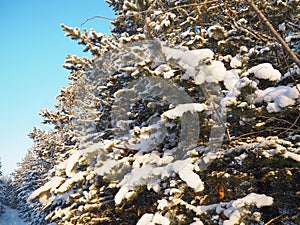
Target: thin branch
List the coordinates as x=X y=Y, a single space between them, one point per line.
x=292 y=76
x=237 y=25
x=272 y=220
x=98 y=17
x=293 y=24
x=248 y=135
x=289 y=128
x=274 y=32
x=270 y=119
x=124 y=148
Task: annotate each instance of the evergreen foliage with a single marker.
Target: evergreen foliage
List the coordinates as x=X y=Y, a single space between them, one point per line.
x=98 y=164
x=2 y=190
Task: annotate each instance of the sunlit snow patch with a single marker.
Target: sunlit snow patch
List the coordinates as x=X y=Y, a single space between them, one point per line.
x=180 y=109
x=265 y=71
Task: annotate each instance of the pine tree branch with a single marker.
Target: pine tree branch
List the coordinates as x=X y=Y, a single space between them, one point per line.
x=153 y=10
x=178 y=7
x=274 y=32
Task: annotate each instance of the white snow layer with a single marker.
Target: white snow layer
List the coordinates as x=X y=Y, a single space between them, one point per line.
x=235 y=62
x=194 y=62
x=185 y=171
x=277 y=97
x=265 y=71
x=180 y=109
x=259 y=200
x=188 y=57
x=213 y=72
x=72 y=162
x=197 y=222
x=43 y=192
x=234 y=211
x=153 y=219
x=152 y=175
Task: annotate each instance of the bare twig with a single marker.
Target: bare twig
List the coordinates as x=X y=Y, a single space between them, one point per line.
x=293 y=24
x=247 y=135
x=272 y=220
x=274 y=32
x=270 y=119
x=124 y=148
x=98 y=17
x=289 y=128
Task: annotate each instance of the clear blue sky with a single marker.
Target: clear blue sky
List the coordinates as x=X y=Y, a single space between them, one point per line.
x=33 y=48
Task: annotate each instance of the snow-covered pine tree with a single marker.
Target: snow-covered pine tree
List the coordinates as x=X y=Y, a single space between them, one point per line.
x=104 y=173
x=2 y=190
x=11 y=198
x=27 y=177
x=32 y=172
